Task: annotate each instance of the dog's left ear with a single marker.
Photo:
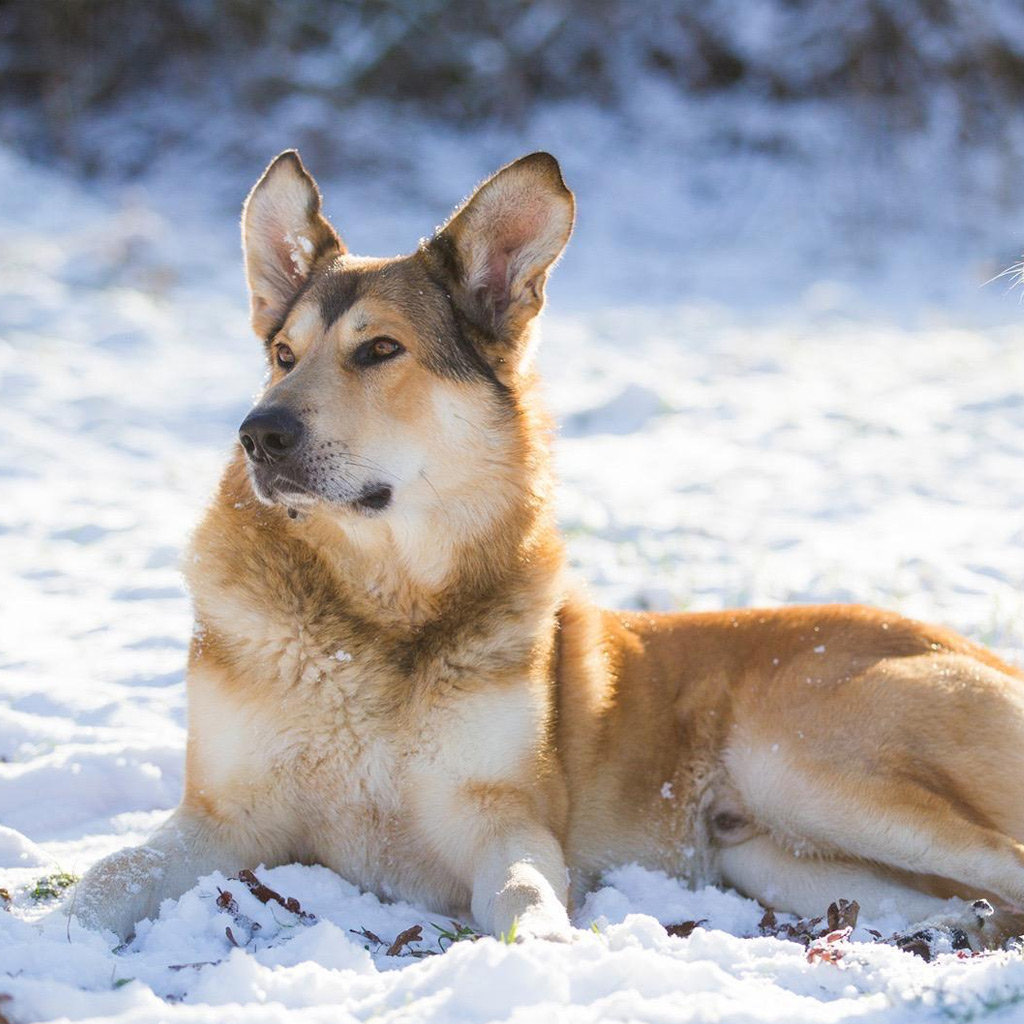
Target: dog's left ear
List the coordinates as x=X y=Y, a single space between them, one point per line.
x=284 y=236
x=497 y=249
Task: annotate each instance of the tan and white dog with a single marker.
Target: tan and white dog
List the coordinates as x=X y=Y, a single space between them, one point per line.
x=391 y=675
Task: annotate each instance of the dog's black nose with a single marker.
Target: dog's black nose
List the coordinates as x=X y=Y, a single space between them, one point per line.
x=269 y=434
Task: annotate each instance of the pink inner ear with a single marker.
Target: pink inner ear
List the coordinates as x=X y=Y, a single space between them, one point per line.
x=510 y=239
x=496 y=283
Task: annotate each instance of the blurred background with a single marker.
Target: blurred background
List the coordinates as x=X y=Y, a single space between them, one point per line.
x=754 y=152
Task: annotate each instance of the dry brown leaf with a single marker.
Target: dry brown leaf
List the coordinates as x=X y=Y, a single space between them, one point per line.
x=842 y=914
x=685 y=929
x=368 y=935
x=410 y=935
x=226 y=901
x=267 y=895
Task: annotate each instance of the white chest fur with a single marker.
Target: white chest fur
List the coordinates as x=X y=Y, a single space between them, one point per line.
x=314 y=770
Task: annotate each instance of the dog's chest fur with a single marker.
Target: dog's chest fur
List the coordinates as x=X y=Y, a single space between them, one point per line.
x=323 y=760
x=320 y=729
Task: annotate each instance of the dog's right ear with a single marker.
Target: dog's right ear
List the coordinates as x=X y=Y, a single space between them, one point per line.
x=284 y=236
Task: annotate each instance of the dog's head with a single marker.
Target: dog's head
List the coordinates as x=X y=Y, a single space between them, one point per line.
x=389 y=376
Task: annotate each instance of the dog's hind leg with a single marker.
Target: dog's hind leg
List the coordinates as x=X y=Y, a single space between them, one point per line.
x=885 y=832
x=805 y=885
x=128 y=886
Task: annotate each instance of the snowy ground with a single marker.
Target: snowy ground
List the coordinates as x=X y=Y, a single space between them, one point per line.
x=709 y=458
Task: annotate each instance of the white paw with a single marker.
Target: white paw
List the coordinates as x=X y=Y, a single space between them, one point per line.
x=548 y=923
x=119 y=891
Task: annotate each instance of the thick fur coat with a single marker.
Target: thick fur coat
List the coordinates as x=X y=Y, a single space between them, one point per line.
x=391 y=674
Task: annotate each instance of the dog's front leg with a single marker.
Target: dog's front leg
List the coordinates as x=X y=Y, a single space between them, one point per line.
x=488 y=805
x=494 y=839
x=520 y=884
x=128 y=886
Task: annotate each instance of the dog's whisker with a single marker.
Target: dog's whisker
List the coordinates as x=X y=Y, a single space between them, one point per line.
x=439 y=503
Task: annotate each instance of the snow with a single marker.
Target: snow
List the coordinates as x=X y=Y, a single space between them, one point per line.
x=18 y=851
x=822 y=447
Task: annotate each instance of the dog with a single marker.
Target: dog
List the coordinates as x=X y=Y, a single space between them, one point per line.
x=392 y=674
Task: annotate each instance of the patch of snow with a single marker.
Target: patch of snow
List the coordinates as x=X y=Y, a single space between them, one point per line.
x=18 y=851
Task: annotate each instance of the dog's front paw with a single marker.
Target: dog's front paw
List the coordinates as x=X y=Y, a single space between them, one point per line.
x=539 y=922
x=119 y=891
x=550 y=931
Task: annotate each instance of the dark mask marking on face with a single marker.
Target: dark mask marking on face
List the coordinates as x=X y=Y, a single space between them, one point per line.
x=417 y=288
x=336 y=291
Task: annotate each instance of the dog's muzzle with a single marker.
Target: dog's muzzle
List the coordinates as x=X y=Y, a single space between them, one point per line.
x=280 y=467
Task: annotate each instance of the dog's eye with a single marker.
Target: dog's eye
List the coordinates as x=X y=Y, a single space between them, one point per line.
x=377 y=350
x=284 y=357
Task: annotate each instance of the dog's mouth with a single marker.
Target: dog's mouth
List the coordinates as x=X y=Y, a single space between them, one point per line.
x=280 y=489
x=283 y=491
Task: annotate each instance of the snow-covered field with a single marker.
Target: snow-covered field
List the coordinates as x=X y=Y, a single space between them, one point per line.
x=709 y=458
